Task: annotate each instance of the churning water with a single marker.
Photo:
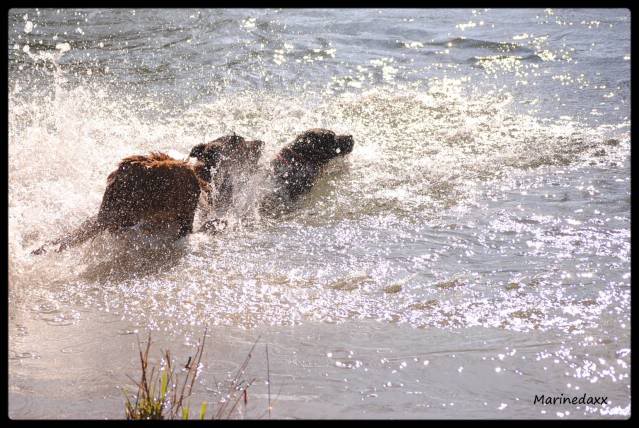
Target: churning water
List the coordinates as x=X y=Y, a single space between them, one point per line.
x=473 y=250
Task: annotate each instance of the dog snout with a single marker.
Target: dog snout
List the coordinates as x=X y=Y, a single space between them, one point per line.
x=345 y=143
x=197 y=152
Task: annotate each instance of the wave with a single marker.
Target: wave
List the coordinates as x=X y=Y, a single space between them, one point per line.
x=466 y=43
x=481 y=60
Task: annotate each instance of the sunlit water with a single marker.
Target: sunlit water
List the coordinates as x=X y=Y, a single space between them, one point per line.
x=473 y=250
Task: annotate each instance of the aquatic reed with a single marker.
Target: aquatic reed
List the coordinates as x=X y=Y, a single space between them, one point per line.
x=165 y=395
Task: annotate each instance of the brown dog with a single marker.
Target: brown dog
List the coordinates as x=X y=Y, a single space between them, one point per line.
x=299 y=164
x=225 y=159
x=156 y=192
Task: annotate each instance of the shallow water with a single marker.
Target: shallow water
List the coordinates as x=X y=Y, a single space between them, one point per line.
x=473 y=250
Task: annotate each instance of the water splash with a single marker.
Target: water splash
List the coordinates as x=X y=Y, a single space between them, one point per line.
x=421 y=151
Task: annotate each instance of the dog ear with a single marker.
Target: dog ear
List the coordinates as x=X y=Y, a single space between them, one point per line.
x=202 y=172
x=213 y=155
x=303 y=146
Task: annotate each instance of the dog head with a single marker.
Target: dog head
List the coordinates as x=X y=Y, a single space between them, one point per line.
x=229 y=150
x=322 y=145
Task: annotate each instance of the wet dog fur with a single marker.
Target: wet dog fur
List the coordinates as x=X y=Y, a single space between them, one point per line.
x=155 y=192
x=224 y=159
x=298 y=165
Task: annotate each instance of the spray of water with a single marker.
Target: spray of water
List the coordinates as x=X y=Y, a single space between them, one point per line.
x=420 y=149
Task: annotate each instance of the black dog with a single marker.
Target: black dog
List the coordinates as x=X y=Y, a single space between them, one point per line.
x=225 y=158
x=298 y=165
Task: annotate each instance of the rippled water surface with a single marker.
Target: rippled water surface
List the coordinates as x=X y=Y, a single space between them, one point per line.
x=473 y=250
